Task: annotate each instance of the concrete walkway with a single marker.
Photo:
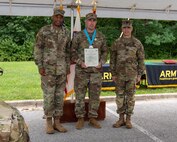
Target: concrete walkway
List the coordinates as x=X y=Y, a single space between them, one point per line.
x=153 y=121
x=150 y=124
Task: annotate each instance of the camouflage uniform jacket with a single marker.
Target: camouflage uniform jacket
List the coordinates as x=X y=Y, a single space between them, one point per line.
x=52 y=50
x=80 y=42
x=127 y=58
x=12 y=125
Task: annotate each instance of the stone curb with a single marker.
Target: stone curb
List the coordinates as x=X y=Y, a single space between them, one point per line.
x=139 y=97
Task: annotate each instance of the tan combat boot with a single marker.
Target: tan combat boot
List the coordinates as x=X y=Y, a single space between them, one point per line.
x=80 y=123
x=93 y=122
x=128 y=122
x=49 y=126
x=57 y=125
x=120 y=122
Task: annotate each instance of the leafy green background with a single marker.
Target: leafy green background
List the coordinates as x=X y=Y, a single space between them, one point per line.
x=17 y=36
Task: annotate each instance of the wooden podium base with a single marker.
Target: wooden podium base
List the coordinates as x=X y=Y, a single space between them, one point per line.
x=69 y=113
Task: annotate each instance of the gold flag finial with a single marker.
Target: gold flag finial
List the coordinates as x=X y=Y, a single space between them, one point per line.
x=94 y=3
x=78 y=2
x=61 y=4
x=55 y=4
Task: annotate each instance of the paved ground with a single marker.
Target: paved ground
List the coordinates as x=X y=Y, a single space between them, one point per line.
x=153 y=121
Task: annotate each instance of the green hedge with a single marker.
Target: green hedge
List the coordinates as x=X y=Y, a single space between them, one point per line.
x=10 y=51
x=17 y=36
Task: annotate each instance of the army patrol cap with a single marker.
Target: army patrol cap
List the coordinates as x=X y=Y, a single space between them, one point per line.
x=57 y=11
x=126 y=23
x=91 y=16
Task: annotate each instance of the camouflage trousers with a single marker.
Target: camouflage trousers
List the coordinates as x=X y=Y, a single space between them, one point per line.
x=125 y=96
x=53 y=92
x=92 y=82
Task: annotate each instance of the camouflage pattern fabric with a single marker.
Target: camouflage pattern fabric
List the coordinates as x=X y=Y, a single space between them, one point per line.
x=12 y=125
x=52 y=52
x=126 y=63
x=80 y=42
x=82 y=81
x=53 y=90
x=87 y=78
x=125 y=96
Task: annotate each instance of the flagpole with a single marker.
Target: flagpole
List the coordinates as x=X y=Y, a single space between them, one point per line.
x=72 y=7
x=72 y=22
x=70 y=77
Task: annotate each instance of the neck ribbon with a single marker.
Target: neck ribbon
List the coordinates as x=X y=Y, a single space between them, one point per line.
x=88 y=37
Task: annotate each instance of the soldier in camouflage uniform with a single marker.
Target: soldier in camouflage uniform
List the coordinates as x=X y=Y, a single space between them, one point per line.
x=127 y=66
x=12 y=125
x=52 y=56
x=88 y=77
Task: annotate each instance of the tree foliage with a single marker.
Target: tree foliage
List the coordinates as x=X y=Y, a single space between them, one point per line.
x=17 y=36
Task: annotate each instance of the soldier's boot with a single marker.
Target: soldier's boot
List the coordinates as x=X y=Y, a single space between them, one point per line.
x=128 y=122
x=49 y=126
x=94 y=123
x=80 y=123
x=120 y=122
x=57 y=125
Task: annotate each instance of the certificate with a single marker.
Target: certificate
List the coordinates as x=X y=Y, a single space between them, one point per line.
x=91 y=57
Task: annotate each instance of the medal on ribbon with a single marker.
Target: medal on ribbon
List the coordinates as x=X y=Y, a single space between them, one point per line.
x=88 y=38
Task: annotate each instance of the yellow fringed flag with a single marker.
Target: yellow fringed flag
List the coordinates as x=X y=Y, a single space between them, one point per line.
x=69 y=90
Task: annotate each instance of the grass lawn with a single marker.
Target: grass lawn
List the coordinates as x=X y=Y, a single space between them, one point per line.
x=21 y=81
